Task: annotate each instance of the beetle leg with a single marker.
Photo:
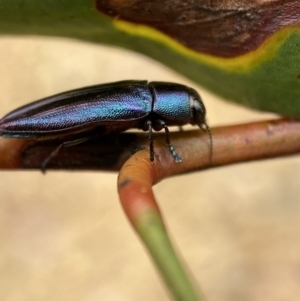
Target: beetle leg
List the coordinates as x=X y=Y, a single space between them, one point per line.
x=151 y=147
x=57 y=150
x=170 y=145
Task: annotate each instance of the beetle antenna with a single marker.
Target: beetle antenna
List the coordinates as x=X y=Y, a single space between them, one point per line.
x=208 y=131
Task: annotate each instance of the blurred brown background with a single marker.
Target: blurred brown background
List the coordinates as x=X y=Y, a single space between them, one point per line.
x=64 y=236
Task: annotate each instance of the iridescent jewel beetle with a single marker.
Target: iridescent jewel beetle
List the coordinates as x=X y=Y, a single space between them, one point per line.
x=77 y=115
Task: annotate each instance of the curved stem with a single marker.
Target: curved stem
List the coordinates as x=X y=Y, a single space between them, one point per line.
x=135 y=191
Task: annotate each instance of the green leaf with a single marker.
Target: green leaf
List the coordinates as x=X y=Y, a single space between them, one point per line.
x=247 y=53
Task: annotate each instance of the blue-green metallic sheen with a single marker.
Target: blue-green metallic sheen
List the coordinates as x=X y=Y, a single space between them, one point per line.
x=107 y=108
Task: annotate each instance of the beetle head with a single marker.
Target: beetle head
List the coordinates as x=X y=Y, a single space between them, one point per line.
x=198 y=110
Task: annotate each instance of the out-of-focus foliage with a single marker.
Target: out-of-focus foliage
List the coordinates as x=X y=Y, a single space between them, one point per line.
x=245 y=51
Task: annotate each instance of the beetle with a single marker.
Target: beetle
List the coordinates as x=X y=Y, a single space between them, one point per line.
x=78 y=114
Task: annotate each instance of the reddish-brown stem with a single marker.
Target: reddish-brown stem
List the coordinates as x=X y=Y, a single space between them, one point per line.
x=231 y=144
